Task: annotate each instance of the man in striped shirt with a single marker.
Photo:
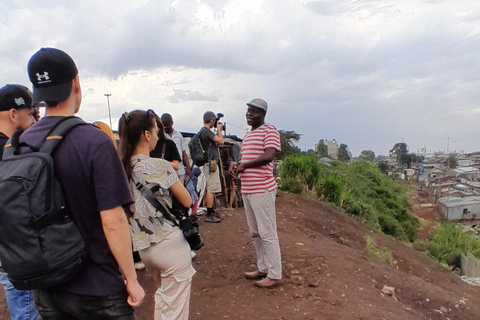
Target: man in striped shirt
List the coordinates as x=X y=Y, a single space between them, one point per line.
x=259 y=189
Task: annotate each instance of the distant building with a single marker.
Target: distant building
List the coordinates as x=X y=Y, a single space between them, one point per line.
x=454 y=208
x=332 y=147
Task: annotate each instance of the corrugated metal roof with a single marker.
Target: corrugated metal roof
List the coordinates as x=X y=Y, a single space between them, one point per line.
x=457 y=202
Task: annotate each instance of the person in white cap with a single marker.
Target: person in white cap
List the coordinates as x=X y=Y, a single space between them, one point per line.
x=259 y=189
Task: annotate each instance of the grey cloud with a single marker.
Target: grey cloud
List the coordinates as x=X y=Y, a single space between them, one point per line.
x=321 y=7
x=188 y=95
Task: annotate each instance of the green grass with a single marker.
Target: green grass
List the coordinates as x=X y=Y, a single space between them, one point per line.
x=374 y=251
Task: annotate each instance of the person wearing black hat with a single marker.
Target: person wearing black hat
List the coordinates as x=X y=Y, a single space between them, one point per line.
x=259 y=188
x=16 y=112
x=95 y=188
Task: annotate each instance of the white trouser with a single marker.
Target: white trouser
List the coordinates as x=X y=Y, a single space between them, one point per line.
x=261 y=219
x=170 y=264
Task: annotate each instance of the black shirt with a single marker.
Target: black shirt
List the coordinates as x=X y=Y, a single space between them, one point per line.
x=171 y=151
x=3 y=142
x=210 y=146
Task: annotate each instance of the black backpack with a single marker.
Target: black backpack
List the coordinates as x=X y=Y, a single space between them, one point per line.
x=197 y=153
x=40 y=245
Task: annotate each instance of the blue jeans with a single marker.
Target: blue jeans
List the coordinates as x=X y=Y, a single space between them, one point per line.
x=58 y=305
x=20 y=302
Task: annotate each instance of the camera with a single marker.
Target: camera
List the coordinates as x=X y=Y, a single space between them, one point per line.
x=189 y=227
x=219 y=116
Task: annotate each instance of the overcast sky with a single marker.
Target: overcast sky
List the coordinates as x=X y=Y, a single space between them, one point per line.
x=366 y=73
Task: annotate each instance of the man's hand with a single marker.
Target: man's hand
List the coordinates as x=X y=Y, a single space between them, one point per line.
x=240 y=168
x=233 y=169
x=135 y=293
x=219 y=127
x=236 y=168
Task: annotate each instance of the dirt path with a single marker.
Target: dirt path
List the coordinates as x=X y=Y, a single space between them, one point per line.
x=422 y=208
x=328 y=273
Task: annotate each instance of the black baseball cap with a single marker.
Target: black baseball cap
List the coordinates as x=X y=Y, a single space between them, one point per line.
x=15 y=96
x=51 y=72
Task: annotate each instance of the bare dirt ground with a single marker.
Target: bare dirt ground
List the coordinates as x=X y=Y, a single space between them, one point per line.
x=426 y=212
x=328 y=273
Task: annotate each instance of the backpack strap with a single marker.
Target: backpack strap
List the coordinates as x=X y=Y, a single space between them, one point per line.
x=50 y=141
x=58 y=132
x=164 y=146
x=200 y=138
x=149 y=195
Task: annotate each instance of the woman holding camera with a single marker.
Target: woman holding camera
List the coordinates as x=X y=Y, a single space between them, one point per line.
x=161 y=245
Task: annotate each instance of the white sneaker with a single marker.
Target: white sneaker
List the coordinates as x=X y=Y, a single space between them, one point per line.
x=139 y=265
x=201 y=211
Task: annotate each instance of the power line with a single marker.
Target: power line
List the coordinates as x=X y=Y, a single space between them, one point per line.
x=231 y=124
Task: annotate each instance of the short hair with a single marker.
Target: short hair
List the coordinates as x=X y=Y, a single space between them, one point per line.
x=167 y=117
x=208 y=116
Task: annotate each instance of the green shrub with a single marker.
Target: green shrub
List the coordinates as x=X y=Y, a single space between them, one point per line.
x=304 y=168
x=291 y=185
x=331 y=189
x=389 y=225
x=359 y=188
x=447 y=243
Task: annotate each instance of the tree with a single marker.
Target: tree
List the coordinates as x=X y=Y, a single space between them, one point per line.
x=322 y=149
x=367 y=155
x=382 y=166
x=399 y=150
x=451 y=162
x=287 y=142
x=343 y=154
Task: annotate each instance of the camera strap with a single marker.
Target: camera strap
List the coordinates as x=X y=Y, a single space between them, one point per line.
x=148 y=194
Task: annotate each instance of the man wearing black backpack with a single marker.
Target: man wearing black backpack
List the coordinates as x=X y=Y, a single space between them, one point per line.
x=95 y=188
x=16 y=111
x=210 y=142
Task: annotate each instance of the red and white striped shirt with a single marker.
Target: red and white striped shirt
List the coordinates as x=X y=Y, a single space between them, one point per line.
x=259 y=179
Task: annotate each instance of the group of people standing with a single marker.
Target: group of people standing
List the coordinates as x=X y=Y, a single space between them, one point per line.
x=100 y=186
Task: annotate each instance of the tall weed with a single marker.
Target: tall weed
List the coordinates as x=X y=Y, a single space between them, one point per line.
x=447 y=243
x=359 y=189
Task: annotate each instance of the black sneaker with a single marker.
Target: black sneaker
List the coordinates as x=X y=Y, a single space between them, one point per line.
x=211 y=218
x=217 y=215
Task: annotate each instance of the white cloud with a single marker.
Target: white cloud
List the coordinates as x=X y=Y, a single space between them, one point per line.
x=367 y=73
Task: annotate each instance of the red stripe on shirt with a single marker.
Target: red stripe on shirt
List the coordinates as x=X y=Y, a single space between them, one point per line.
x=259 y=179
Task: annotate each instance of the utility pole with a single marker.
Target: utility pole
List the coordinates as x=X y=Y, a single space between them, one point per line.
x=108 y=95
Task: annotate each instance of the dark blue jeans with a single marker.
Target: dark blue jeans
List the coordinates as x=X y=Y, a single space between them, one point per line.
x=57 y=305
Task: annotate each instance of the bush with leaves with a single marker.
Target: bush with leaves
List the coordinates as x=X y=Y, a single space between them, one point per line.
x=304 y=168
x=448 y=243
x=291 y=185
x=359 y=189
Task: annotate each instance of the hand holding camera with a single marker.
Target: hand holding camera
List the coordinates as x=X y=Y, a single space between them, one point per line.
x=219 y=125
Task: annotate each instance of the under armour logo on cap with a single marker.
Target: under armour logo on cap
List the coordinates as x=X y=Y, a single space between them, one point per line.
x=43 y=78
x=51 y=72
x=19 y=101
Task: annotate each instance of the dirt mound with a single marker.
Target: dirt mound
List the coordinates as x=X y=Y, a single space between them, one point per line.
x=328 y=273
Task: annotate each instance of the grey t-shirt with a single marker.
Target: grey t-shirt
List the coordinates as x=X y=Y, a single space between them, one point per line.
x=210 y=146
